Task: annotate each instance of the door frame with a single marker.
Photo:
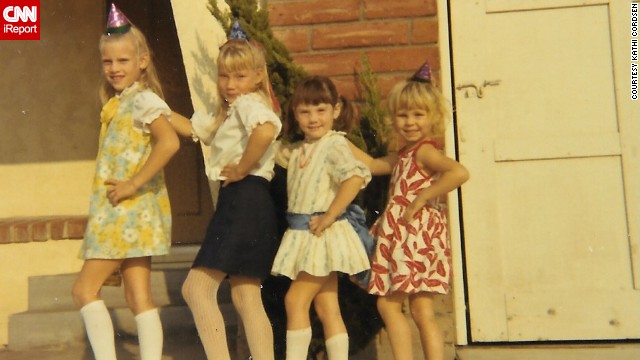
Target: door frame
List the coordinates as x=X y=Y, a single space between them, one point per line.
x=459 y=294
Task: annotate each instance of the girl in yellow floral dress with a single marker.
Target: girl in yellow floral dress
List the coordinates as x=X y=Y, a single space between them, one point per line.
x=129 y=214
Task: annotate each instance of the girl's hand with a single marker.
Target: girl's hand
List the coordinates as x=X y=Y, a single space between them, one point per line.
x=233 y=173
x=410 y=212
x=119 y=190
x=317 y=224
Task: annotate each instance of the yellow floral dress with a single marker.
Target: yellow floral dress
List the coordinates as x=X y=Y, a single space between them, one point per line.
x=141 y=225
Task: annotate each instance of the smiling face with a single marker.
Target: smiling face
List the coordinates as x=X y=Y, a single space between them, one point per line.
x=316 y=120
x=414 y=125
x=121 y=63
x=235 y=83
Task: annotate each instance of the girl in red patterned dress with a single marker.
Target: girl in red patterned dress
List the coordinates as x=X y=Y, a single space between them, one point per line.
x=413 y=256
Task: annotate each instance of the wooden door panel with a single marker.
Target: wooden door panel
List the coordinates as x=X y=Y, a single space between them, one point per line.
x=545 y=137
x=562 y=316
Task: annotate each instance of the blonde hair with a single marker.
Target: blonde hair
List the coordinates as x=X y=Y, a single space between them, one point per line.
x=240 y=55
x=409 y=94
x=149 y=76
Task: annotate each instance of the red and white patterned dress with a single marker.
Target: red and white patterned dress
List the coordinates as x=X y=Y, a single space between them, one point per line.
x=412 y=257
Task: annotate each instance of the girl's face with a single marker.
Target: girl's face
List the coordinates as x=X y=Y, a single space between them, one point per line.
x=413 y=125
x=121 y=64
x=316 y=120
x=235 y=83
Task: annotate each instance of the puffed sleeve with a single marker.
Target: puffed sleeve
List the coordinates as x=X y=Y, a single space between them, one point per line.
x=147 y=106
x=253 y=112
x=204 y=126
x=283 y=153
x=342 y=164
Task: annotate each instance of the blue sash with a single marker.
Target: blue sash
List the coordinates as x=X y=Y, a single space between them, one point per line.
x=356 y=217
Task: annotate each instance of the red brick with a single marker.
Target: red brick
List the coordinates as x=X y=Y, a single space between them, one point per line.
x=403 y=59
x=295 y=40
x=312 y=11
x=346 y=86
x=388 y=81
x=424 y=31
x=364 y=34
x=376 y=9
x=5 y=231
x=57 y=229
x=20 y=232
x=329 y=64
x=40 y=230
x=76 y=227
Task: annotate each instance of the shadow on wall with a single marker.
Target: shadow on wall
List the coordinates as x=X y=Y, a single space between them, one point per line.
x=207 y=66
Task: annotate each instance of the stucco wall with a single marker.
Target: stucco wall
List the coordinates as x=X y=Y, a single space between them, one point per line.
x=26 y=260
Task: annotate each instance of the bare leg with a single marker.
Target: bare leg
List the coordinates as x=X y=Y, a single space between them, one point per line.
x=297 y=303
x=247 y=299
x=328 y=310
x=97 y=321
x=390 y=308
x=136 y=273
x=430 y=334
x=200 y=291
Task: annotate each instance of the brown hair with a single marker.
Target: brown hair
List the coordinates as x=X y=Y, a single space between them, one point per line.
x=316 y=90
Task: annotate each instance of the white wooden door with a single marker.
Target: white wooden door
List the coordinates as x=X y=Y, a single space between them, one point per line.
x=549 y=133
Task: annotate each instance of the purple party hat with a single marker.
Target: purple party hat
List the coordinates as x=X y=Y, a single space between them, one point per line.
x=117 y=23
x=237 y=33
x=423 y=74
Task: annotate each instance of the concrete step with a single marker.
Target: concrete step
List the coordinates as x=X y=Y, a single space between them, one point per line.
x=42 y=329
x=50 y=293
x=52 y=318
x=53 y=292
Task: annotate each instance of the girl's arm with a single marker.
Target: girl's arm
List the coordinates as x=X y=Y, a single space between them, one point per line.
x=259 y=141
x=346 y=193
x=165 y=145
x=181 y=124
x=453 y=174
x=379 y=166
x=207 y=126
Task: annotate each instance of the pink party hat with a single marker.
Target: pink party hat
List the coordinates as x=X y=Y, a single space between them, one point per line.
x=117 y=23
x=423 y=74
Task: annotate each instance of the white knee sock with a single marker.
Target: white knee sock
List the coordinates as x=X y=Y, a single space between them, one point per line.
x=338 y=347
x=150 y=335
x=298 y=344
x=99 y=328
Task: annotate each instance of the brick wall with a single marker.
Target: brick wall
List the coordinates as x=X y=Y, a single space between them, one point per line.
x=27 y=229
x=328 y=37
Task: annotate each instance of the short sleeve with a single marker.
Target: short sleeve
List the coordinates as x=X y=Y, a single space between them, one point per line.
x=147 y=106
x=283 y=153
x=342 y=164
x=253 y=112
x=203 y=126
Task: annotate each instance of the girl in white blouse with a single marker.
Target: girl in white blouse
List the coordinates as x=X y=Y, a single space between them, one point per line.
x=242 y=239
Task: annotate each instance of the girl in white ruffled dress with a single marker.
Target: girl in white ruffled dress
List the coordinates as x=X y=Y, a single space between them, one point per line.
x=323 y=178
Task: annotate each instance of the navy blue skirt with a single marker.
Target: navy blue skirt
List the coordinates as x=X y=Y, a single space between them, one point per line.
x=242 y=237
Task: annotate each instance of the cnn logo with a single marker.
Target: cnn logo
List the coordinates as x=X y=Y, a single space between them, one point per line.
x=20 y=20
x=14 y=14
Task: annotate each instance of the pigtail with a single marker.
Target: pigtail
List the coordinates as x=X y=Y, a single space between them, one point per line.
x=346 y=119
